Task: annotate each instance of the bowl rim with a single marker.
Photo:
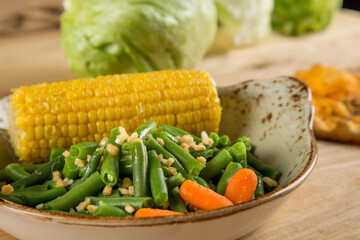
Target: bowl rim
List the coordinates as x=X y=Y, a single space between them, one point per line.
x=189 y=217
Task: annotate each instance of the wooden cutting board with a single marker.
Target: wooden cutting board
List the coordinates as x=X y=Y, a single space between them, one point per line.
x=327 y=205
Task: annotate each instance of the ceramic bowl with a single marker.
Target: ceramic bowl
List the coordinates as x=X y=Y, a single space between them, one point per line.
x=276 y=114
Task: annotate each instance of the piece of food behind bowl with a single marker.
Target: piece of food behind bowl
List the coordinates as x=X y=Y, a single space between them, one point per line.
x=336 y=97
x=47 y=116
x=127 y=36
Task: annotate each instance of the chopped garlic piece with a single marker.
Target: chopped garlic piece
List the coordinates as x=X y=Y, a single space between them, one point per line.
x=204 y=135
x=56 y=176
x=130 y=209
x=201 y=160
x=131 y=190
x=270 y=182
x=82 y=206
x=107 y=190
x=170 y=161
x=91 y=208
x=124 y=191
x=79 y=162
x=7 y=189
x=160 y=141
x=188 y=139
x=185 y=146
x=66 y=153
x=199 y=148
x=112 y=149
x=173 y=170
x=127 y=183
x=208 y=141
x=133 y=137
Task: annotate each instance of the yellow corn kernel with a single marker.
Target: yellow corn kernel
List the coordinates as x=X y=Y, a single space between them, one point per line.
x=59 y=114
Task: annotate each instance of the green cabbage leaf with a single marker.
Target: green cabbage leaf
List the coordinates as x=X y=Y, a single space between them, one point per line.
x=127 y=36
x=241 y=23
x=296 y=17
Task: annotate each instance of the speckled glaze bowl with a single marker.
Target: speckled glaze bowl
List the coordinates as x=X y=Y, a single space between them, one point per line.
x=276 y=113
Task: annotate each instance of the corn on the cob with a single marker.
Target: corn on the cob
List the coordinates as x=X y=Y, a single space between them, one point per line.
x=60 y=114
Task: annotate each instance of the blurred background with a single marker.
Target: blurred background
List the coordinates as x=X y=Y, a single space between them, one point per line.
x=30 y=49
x=23 y=16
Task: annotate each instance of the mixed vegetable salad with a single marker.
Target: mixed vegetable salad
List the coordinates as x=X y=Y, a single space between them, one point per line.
x=155 y=171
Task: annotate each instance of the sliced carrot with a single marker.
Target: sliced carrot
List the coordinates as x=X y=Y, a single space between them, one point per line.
x=150 y=212
x=241 y=186
x=202 y=197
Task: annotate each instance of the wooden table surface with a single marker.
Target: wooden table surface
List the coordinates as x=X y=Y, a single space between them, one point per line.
x=327 y=205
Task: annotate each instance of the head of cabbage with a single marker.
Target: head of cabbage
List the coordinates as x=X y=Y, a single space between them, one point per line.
x=125 y=36
x=296 y=17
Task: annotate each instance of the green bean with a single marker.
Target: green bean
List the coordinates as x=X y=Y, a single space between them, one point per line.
x=32 y=168
x=93 y=164
x=105 y=210
x=55 y=152
x=90 y=168
x=15 y=171
x=136 y=202
x=201 y=181
x=81 y=171
x=158 y=186
x=215 y=165
x=41 y=174
x=215 y=137
x=125 y=167
x=152 y=144
x=4 y=177
x=115 y=194
x=208 y=153
x=125 y=149
x=263 y=168
x=178 y=132
x=70 y=169
x=176 y=202
x=147 y=128
x=110 y=169
x=216 y=179
x=32 y=198
x=140 y=169
x=224 y=141
x=72 y=198
x=174 y=181
x=259 y=191
x=112 y=139
x=36 y=188
x=172 y=138
x=238 y=153
x=80 y=213
x=50 y=184
x=230 y=170
x=247 y=143
x=189 y=162
x=166 y=171
x=12 y=198
x=81 y=150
